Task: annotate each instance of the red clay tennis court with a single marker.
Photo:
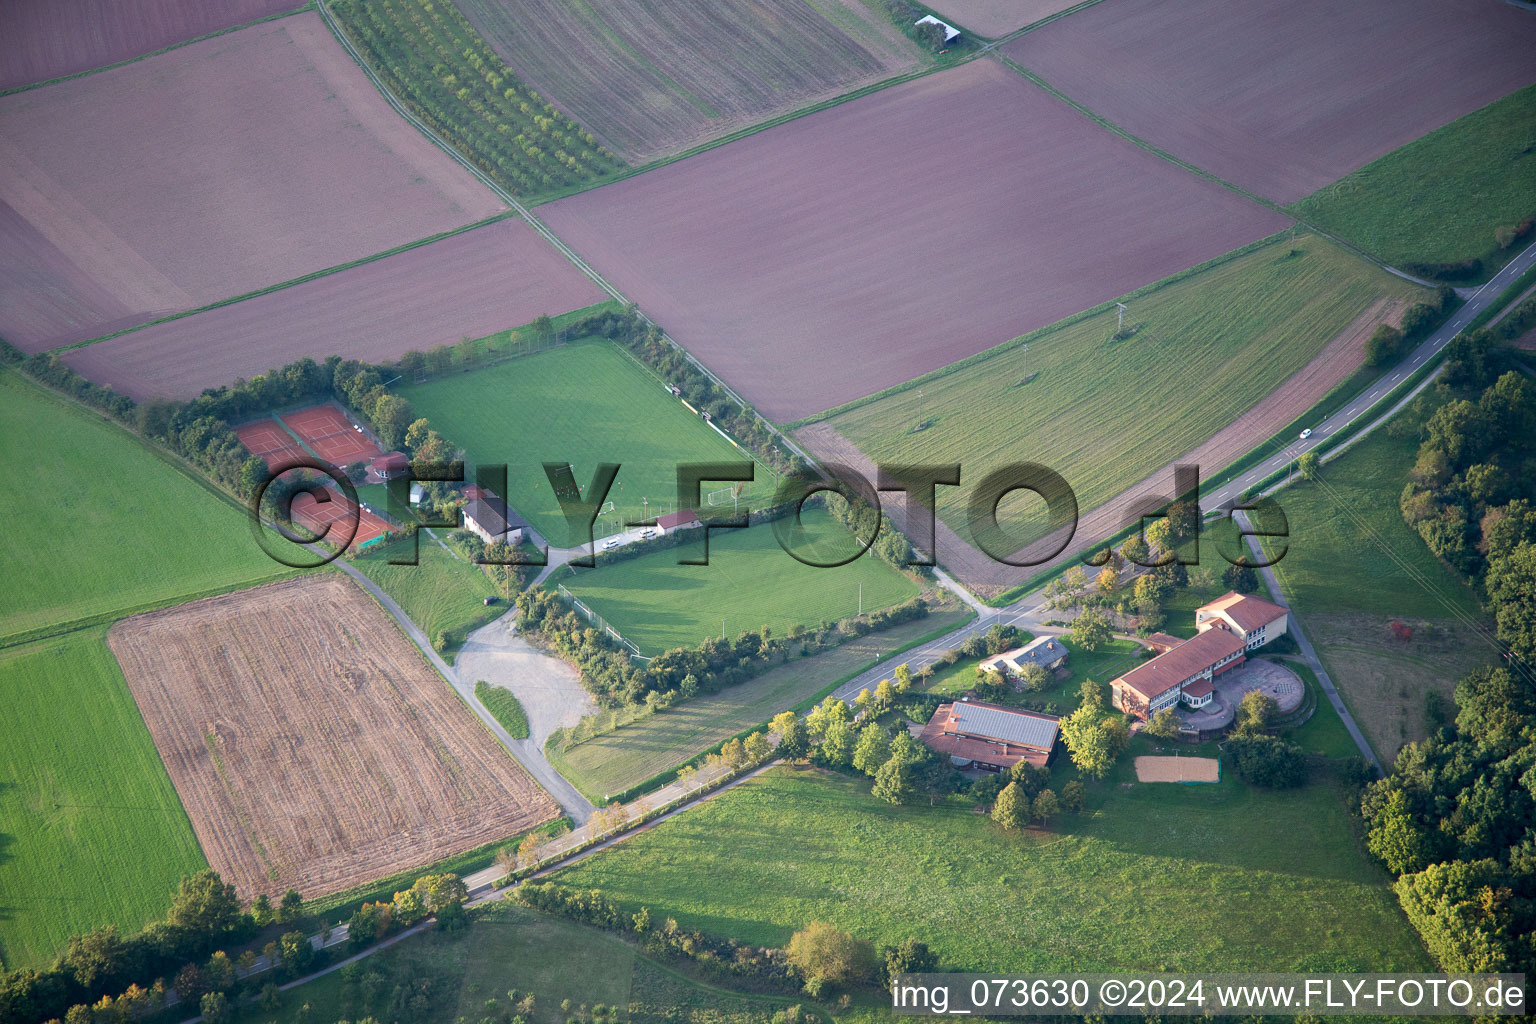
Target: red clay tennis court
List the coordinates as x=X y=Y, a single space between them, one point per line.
x=267 y=440
x=313 y=515
x=330 y=435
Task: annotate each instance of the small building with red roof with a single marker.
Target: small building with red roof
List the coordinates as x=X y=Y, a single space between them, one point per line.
x=990 y=737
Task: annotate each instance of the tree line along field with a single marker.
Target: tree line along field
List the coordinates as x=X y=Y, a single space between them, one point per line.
x=613 y=761
x=126 y=196
x=509 y=947
x=311 y=744
x=1349 y=83
x=826 y=258
x=100 y=525
x=584 y=403
x=1205 y=348
x=652 y=78
x=750 y=582
x=1151 y=877
x=46 y=39
x=1353 y=566
x=1444 y=197
x=91 y=830
x=432 y=59
x=470 y=285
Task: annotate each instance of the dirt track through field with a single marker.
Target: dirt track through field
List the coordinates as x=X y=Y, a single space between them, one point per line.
x=848 y=251
x=1298 y=393
x=1283 y=97
x=310 y=744
x=143 y=199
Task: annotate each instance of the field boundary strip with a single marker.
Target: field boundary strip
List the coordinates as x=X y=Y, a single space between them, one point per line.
x=275 y=16
x=282 y=285
x=540 y=227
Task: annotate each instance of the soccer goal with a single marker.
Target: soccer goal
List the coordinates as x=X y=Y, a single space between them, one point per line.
x=732 y=496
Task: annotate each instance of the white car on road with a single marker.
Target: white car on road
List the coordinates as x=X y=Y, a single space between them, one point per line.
x=1306 y=433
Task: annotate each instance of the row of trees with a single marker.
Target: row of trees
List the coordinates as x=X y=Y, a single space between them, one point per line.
x=105 y=971
x=451 y=79
x=1455 y=821
x=683 y=672
x=1470 y=497
x=442 y=895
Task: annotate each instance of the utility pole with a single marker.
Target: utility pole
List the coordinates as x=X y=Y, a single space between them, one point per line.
x=861 y=597
x=919 y=408
x=1120 y=324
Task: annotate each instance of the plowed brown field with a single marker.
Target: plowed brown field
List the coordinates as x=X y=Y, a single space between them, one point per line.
x=469 y=285
x=656 y=76
x=310 y=743
x=851 y=250
x=48 y=38
x=210 y=171
x=1284 y=96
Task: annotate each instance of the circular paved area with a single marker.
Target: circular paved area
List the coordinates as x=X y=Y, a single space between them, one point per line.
x=1279 y=682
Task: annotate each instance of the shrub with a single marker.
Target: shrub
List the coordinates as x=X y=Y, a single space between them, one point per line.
x=1267 y=761
x=1384 y=344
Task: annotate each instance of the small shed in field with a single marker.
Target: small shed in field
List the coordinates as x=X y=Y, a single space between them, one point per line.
x=950 y=32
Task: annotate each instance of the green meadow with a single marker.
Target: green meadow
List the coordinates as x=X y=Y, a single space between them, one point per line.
x=1440 y=198
x=440 y=592
x=750 y=582
x=1352 y=567
x=585 y=403
x=1157 y=877
x=91 y=830
x=1103 y=413
x=507 y=949
x=99 y=525
x=636 y=751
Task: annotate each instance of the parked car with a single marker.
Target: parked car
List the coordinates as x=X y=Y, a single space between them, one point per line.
x=647 y=534
x=610 y=543
x=493 y=600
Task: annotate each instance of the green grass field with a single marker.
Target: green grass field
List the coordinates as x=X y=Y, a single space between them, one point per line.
x=1349 y=550
x=508 y=947
x=1104 y=414
x=99 y=526
x=750 y=582
x=1153 y=877
x=504 y=707
x=1439 y=198
x=440 y=592
x=629 y=755
x=584 y=404
x=91 y=830
x=1353 y=566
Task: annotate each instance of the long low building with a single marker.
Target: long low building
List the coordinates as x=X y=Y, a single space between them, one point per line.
x=990 y=737
x=1228 y=628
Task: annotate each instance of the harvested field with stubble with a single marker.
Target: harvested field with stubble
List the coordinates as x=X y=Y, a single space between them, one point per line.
x=1282 y=97
x=653 y=77
x=127 y=195
x=469 y=285
x=848 y=251
x=47 y=39
x=310 y=743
